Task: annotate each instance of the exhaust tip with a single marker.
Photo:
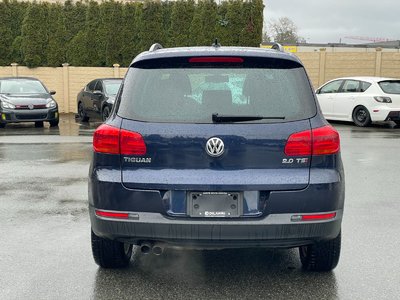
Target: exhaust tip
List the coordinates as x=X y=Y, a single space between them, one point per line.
x=157 y=250
x=145 y=248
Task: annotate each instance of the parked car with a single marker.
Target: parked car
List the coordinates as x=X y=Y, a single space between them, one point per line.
x=361 y=100
x=216 y=147
x=26 y=99
x=96 y=99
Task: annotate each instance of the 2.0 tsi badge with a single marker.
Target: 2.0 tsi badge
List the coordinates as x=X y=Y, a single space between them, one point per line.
x=215 y=147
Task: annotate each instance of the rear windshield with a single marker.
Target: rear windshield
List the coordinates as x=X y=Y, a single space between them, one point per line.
x=192 y=94
x=390 y=86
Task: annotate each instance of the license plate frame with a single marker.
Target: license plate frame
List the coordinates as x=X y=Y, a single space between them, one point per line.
x=214 y=204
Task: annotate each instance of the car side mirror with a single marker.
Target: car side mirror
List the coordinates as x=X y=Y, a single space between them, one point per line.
x=52 y=92
x=318 y=91
x=98 y=93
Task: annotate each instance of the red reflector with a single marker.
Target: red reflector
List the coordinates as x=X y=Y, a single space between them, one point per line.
x=299 y=144
x=216 y=59
x=106 y=139
x=320 y=141
x=108 y=214
x=132 y=143
x=318 y=217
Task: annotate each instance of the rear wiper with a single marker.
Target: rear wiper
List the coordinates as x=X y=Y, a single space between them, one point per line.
x=223 y=118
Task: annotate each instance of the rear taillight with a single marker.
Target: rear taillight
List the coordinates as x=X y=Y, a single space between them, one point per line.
x=319 y=141
x=132 y=143
x=325 y=140
x=106 y=139
x=111 y=140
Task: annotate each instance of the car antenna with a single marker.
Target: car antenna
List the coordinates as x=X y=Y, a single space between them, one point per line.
x=216 y=44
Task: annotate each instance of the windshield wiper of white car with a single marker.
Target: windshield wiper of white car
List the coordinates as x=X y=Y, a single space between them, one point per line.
x=224 y=118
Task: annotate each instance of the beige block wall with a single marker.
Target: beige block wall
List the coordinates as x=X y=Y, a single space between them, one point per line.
x=321 y=66
x=67 y=81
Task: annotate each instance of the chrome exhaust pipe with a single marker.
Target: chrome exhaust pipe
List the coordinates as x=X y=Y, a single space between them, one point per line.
x=146 y=247
x=158 y=249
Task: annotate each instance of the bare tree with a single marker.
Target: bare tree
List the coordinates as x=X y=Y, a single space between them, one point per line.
x=284 y=31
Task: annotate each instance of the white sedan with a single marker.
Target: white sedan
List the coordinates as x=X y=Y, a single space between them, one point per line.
x=361 y=100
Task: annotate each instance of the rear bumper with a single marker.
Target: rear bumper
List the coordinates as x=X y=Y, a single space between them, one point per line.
x=23 y=115
x=275 y=230
x=384 y=113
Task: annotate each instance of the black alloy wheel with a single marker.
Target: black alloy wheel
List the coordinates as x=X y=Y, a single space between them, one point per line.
x=361 y=116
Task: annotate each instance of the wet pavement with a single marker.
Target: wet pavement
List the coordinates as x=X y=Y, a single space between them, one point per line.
x=45 y=231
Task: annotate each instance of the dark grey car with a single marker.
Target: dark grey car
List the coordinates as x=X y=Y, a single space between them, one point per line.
x=96 y=99
x=26 y=99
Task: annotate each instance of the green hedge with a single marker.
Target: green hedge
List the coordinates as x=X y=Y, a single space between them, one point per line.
x=101 y=34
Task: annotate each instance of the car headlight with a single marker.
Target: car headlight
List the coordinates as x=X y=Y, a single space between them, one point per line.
x=383 y=99
x=5 y=104
x=51 y=104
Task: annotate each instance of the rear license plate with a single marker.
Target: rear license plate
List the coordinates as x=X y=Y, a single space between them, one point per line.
x=214 y=204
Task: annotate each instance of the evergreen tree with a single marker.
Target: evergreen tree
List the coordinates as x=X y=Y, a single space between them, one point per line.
x=251 y=34
x=221 y=28
x=209 y=21
x=92 y=42
x=6 y=34
x=151 y=28
x=16 y=53
x=75 y=18
x=166 y=7
x=196 y=28
x=129 y=33
x=110 y=33
x=35 y=35
x=181 y=19
x=76 y=50
x=56 y=52
x=235 y=20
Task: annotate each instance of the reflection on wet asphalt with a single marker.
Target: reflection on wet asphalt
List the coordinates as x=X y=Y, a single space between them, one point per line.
x=45 y=242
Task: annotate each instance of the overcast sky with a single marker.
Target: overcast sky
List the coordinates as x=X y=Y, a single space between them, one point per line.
x=320 y=21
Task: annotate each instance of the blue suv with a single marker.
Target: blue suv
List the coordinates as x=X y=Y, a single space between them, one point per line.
x=216 y=147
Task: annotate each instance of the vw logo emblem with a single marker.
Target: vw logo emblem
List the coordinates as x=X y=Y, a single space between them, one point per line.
x=215 y=147
x=30 y=106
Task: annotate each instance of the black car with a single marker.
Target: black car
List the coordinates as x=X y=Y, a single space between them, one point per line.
x=216 y=147
x=26 y=99
x=96 y=99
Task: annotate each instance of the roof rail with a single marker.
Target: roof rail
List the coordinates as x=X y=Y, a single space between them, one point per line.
x=155 y=47
x=278 y=47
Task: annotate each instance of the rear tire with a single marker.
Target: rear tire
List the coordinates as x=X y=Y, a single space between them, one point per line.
x=39 y=124
x=105 y=113
x=110 y=254
x=82 y=114
x=322 y=256
x=361 y=116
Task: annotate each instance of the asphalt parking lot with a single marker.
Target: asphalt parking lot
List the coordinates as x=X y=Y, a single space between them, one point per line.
x=45 y=231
